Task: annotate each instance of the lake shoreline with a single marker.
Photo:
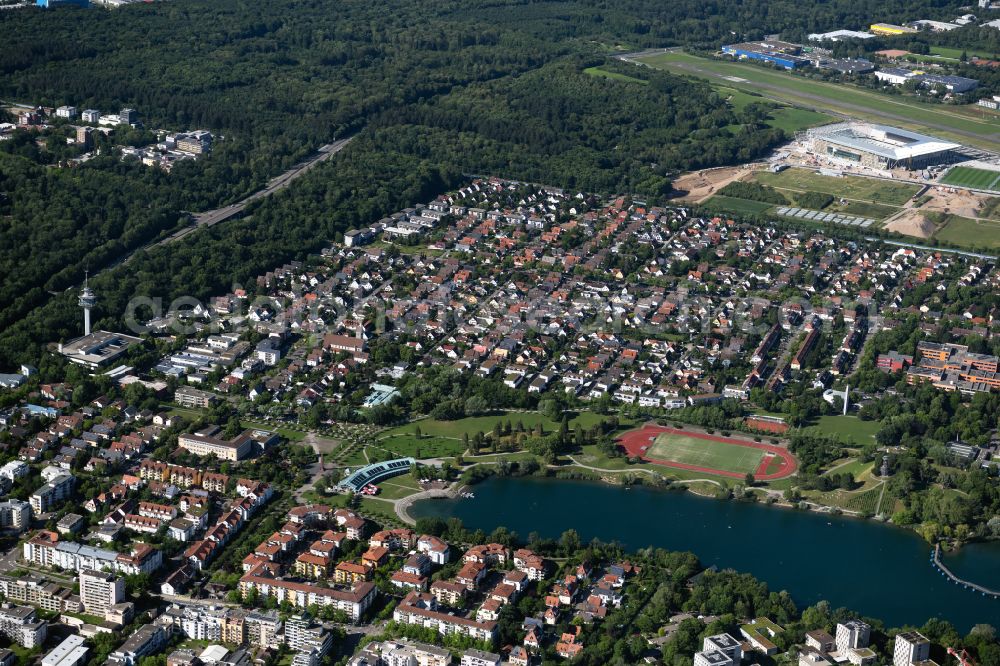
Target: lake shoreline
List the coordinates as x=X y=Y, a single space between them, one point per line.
x=798 y=551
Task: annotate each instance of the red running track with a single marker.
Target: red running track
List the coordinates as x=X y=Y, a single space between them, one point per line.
x=635 y=443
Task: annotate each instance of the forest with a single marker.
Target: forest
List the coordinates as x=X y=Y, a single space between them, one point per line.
x=435 y=89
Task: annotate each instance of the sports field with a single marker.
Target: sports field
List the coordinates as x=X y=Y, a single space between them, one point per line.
x=971 y=177
x=705 y=453
x=711 y=454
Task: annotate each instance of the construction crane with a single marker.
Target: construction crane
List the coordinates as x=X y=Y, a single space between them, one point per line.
x=963 y=656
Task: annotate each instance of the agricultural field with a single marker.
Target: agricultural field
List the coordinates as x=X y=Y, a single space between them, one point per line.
x=962 y=231
x=857 y=188
x=971 y=177
x=840 y=98
x=874 y=501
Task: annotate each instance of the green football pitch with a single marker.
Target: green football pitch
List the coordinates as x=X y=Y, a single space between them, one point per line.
x=977 y=179
x=706 y=453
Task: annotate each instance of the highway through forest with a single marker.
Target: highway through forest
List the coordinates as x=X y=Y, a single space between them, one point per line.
x=211 y=217
x=208 y=218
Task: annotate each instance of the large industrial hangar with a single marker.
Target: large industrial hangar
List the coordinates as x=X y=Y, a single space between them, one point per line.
x=880 y=146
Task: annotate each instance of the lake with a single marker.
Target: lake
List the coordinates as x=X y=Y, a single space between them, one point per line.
x=877 y=570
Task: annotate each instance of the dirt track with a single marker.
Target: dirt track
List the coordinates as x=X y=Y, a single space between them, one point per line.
x=700 y=185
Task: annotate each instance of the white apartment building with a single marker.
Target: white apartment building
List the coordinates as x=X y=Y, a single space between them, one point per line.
x=205 y=445
x=14 y=470
x=99 y=591
x=21 y=625
x=302 y=595
x=910 y=647
x=263 y=628
x=479 y=658
x=44 y=551
x=15 y=514
x=852 y=634
x=200 y=623
x=57 y=490
x=71 y=652
x=404 y=652
x=719 y=650
x=712 y=658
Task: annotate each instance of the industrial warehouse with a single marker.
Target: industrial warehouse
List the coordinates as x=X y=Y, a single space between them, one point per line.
x=880 y=146
x=795 y=56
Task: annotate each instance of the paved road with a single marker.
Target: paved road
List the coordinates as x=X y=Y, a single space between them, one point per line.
x=11 y=559
x=210 y=217
x=824 y=104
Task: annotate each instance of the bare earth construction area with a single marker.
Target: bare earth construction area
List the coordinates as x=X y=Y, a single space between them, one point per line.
x=700 y=452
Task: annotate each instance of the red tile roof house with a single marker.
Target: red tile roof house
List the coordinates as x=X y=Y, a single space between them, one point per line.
x=569 y=646
x=409 y=581
x=471 y=575
x=491 y=554
x=375 y=556
x=447 y=592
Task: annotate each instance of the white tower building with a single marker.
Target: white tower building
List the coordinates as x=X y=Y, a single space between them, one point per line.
x=87 y=301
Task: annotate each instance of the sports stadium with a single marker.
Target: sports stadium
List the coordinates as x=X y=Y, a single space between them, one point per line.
x=881 y=146
x=710 y=454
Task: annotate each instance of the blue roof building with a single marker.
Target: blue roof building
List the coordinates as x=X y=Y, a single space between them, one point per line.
x=782 y=54
x=55 y=3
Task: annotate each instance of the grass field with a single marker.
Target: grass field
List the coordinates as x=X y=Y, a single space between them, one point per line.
x=862 y=209
x=428 y=446
x=850 y=428
x=870 y=190
x=953 y=54
x=591 y=455
x=793 y=119
x=290 y=435
x=841 y=98
x=603 y=73
x=977 y=179
x=705 y=453
x=398 y=487
x=473 y=424
x=964 y=232
x=856 y=467
x=991 y=209
x=723 y=203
